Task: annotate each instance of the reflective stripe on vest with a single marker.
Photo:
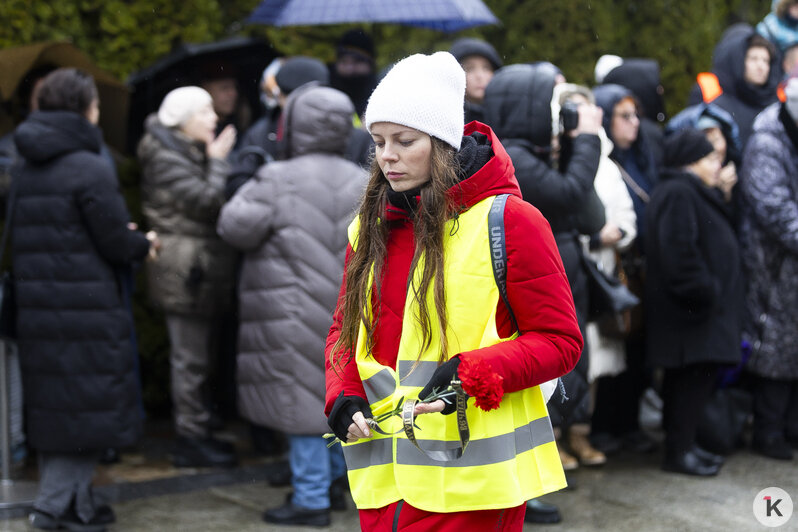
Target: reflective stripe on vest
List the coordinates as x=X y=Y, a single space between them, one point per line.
x=512 y=456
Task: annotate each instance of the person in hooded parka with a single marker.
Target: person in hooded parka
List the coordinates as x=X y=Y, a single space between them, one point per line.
x=71 y=239
x=747 y=69
x=290 y=221
x=556 y=172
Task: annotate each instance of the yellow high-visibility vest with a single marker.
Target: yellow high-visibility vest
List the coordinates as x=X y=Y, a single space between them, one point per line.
x=512 y=455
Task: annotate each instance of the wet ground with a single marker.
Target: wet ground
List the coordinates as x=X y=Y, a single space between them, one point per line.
x=629 y=493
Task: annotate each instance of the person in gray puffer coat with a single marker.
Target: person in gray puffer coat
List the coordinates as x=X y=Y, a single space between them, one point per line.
x=183 y=177
x=291 y=220
x=769 y=241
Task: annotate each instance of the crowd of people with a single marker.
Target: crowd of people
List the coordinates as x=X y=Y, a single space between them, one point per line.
x=352 y=230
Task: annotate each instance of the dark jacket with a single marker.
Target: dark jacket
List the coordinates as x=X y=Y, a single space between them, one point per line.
x=182 y=193
x=518 y=107
x=694 y=285
x=769 y=239
x=743 y=100
x=69 y=239
x=290 y=220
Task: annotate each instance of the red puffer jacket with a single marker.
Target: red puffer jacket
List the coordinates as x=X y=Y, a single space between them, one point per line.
x=550 y=342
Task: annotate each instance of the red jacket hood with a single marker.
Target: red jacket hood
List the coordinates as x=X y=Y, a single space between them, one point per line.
x=497 y=176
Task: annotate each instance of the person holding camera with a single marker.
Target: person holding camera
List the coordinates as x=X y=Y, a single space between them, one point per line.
x=555 y=163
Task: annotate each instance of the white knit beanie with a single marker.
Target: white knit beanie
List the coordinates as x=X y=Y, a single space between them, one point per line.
x=425 y=92
x=606 y=64
x=181 y=104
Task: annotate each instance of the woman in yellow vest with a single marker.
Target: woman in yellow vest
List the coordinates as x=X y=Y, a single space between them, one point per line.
x=422 y=327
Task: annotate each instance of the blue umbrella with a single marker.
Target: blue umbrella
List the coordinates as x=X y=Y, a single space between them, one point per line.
x=441 y=15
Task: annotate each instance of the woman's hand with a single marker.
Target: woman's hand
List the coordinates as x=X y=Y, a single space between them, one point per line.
x=358 y=429
x=155 y=244
x=728 y=178
x=590 y=117
x=220 y=147
x=610 y=234
x=348 y=416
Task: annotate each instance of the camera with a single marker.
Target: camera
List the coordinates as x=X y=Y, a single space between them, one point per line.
x=569 y=116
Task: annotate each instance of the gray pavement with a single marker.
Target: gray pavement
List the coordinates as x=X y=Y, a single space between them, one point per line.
x=630 y=493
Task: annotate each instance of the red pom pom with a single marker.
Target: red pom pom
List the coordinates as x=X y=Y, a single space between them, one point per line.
x=480 y=382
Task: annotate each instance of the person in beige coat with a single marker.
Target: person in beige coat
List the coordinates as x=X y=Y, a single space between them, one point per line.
x=191 y=280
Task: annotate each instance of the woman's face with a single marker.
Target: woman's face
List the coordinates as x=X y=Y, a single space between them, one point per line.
x=625 y=123
x=757 y=65
x=479 y=72
x=715 y=136
x=403 y=153
x=708 y=169
x=202 y=124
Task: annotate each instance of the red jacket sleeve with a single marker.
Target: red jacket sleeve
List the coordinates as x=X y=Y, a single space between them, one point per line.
x=344 y=377
x=550 y=342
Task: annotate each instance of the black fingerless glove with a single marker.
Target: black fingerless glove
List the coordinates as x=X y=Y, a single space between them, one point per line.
x=343 y=409
x=441 y=380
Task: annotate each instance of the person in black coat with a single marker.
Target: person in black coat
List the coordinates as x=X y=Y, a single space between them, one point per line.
x=694 y=288
x=747 y=69
x=71 y=237
x=518 y=107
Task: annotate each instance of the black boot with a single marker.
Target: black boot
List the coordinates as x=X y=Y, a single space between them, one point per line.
x=338 y=489
x=688 y=463
x=289 y=514
x=774 y=446
x=69 y=521
x=540 y=512
x=708 y=457
x=202 y=452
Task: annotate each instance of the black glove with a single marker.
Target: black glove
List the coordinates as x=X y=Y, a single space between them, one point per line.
x=441 y=380
x=343 y=409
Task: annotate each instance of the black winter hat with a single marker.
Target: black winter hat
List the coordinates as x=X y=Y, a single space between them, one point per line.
x=298 y=70
x=686 y=147
x=462 y=48
x=356 y=42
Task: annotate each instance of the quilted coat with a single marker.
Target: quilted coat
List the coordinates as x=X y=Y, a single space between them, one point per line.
x=290 y=221
x=182 y=192
x=769 y=240
x=70 y=241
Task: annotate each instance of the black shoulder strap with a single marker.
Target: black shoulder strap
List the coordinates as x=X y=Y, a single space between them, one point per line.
x=12 y=194
x=498 y=250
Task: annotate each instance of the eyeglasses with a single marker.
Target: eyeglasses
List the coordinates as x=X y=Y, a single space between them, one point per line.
x=627 y=116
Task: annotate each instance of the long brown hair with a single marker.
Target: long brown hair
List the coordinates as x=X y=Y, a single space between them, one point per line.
x=429 y=221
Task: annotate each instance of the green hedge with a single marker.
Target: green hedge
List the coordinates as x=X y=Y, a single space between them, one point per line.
x=124 y=36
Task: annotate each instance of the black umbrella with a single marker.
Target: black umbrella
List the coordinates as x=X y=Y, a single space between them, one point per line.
x=188 y=64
